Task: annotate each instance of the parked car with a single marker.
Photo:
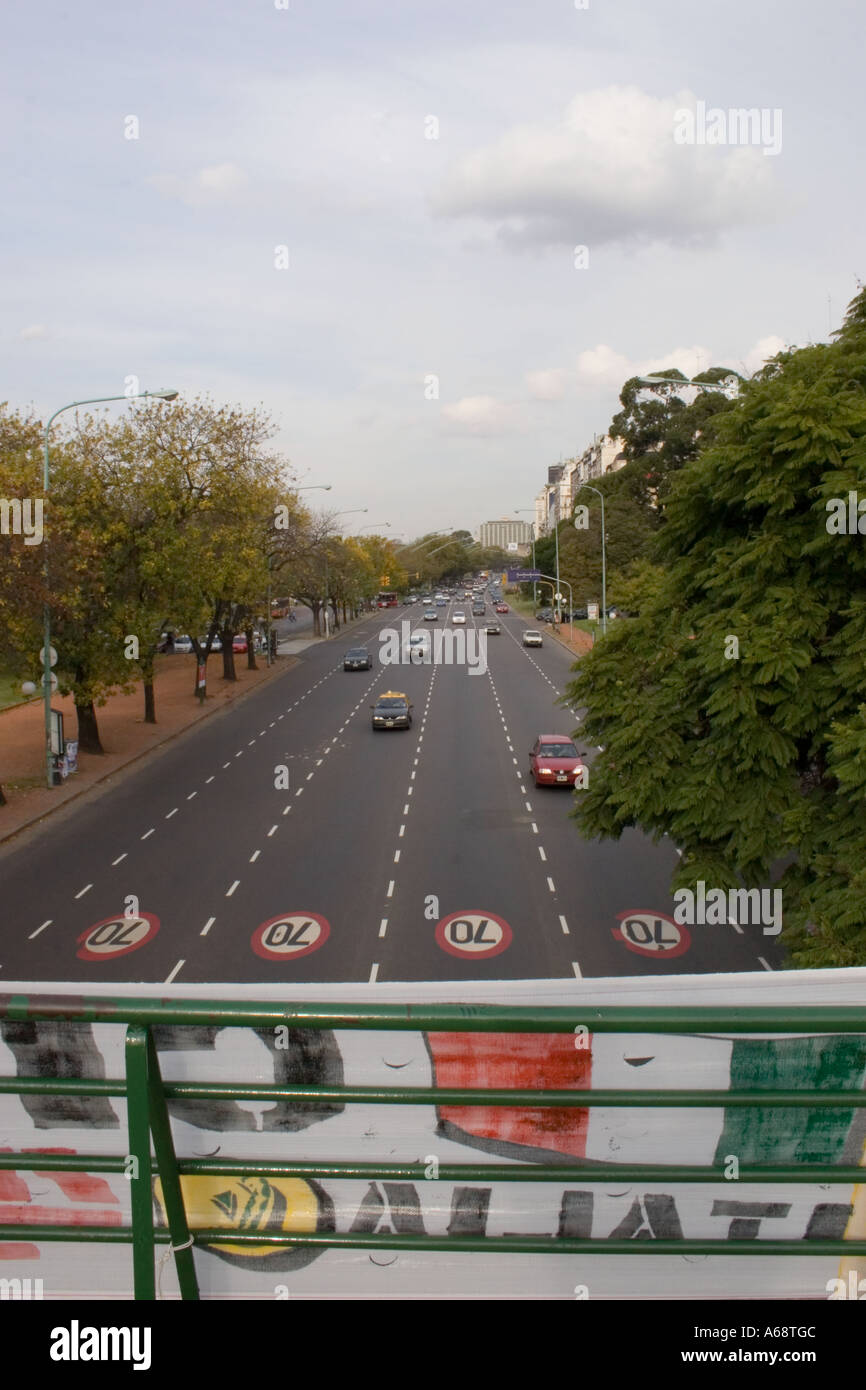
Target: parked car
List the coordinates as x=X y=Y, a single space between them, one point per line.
x=554 y=761
x=183 y=642
x=532 y=638
x=239 y=642
x=544 y=615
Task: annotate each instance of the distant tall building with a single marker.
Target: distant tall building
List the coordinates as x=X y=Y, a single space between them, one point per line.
x=506 y=533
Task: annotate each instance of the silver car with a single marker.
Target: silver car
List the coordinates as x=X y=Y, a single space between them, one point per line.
x=532 y=638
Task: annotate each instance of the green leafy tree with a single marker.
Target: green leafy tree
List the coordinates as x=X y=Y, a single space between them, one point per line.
x=732 y=712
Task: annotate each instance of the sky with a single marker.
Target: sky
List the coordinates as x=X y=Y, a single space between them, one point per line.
x=365 y=217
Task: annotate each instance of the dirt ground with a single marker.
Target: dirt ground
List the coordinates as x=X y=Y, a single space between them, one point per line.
x=125 y=736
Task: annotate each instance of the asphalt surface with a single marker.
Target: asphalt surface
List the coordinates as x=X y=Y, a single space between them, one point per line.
x=355 y=846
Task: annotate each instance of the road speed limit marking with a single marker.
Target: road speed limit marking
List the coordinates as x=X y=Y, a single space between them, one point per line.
x=291 y=935
x=117 y=936
x=473 y=934
x=652 y=934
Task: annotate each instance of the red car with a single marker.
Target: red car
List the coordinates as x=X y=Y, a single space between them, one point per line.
x=554 y=761
x=239 y=643
x=502 y=607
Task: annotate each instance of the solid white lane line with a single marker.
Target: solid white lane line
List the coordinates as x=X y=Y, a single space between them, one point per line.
x=84 y=890
x=174 y=972
x=39 y=929
x=233 y=887
x=207 y=926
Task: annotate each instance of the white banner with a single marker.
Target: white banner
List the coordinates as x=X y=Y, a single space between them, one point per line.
x=426 y=1138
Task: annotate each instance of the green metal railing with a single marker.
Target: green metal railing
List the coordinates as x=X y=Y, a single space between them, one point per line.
x=151 y=1146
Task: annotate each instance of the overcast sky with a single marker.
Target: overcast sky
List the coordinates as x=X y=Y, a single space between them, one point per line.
x=410 y=257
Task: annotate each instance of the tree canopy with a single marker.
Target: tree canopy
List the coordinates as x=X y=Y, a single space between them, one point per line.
x=732 y=712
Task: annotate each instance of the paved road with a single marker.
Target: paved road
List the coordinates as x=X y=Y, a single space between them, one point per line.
x=376 y=838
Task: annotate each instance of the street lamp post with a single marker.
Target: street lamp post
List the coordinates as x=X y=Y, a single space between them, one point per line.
x=167 y=394
x=603 y=560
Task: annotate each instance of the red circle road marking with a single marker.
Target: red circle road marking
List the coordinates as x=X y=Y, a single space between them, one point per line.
x=652 y=934
x=473 y=933
x=289 y=936
x=117 y=936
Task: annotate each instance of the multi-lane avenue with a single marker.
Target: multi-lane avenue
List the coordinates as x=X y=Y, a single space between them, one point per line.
x=286 y=840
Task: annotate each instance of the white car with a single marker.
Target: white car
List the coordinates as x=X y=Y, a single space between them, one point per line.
x=183 y=643
x=532 y=638
x=459 y=616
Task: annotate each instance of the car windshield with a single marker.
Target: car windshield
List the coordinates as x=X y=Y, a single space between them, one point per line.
x=557 y=750
x=392 y=703
x=358 y=652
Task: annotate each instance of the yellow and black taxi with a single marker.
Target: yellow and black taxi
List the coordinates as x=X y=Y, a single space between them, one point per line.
x=392 y=710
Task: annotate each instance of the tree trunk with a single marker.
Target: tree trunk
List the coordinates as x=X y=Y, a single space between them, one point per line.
x=149 y=692
x=88 y=729
x=229 y=673
x=251 y=650
x=2 y=798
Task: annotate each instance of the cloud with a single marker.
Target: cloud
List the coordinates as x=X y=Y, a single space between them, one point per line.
x=549 y=385
x=34 y=331
x=602 y=366
x=481 y=415
x=609 y=171
x=217 y=183
x=763 y=350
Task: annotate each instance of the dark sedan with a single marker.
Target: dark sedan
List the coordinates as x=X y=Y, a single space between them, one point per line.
x=358 y=659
